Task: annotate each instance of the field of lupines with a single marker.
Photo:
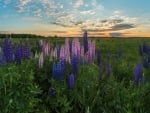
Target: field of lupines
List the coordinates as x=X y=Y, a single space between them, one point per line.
x=87 y=75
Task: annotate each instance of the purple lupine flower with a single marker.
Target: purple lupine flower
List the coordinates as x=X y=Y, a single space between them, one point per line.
x=82 y=53
x=62 y=53
x=85 y=41
x=67 y=51
x=8 y=51
x=41 y=60
x=54 y=54
x=46 y=48
x=26 y=51
x=70 y=46
x=98 y=57
x=76 y=47
x=145 y=48
x=2 y=58
x=58 y=71
x=137 y=74
x=18 y=55
x=75 y=64
x=71 y=81
x=91 y=50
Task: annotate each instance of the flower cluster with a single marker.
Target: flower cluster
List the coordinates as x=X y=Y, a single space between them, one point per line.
x=137 y=74
x=8 y=51
x=71 y=81
x=58 y=70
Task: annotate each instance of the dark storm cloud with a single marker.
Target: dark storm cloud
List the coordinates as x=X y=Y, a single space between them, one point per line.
x=59 y=31
x=115 y=34
x=115 y=21
x=116 y=27
x=61 y=24
x=77 y=23
x=122 y=26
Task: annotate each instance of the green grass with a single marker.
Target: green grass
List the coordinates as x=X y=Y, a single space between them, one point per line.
x=24 y=88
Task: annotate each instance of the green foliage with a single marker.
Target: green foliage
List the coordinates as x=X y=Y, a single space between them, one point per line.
x=27 y=89
x=17 y=90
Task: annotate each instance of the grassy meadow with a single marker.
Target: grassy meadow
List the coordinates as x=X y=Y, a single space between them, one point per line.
x=115 y=80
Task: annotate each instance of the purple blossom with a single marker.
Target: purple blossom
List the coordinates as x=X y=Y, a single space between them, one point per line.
x=58 y=71
x=85 y=41
x=46 y=48
x=145 y=48
x=26 y=51
x=67 y=51
x=70 y=46
x=149 y=57
x=71 y=81
x=62 y=53
x=75 y=64
x=54 y=53
x=76 y=47
x=137 y=73
x=18 y=55
x=8 y=51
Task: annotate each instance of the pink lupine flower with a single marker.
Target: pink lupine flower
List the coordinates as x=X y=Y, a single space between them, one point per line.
x=55 y=53
x=82 y=52
x=36 y=55
x=41 y=60
x=46 y=48
x=62 y=53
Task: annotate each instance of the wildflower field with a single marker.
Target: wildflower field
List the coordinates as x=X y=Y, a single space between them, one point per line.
x=75 y=75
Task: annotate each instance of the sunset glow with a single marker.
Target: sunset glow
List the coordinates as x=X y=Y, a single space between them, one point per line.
x=69 y=18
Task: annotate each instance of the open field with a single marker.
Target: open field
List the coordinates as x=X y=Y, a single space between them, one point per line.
x=86 y=75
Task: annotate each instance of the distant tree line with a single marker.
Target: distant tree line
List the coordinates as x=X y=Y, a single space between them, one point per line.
x=21 y=36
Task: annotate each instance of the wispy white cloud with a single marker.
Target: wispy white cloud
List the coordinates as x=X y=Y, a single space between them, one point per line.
x=38 y=12
x=78 y=3
x=89 y=12
x=21 y=5
x=119 y=15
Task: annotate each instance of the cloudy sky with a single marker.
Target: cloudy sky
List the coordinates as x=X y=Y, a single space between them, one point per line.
x=104 y=18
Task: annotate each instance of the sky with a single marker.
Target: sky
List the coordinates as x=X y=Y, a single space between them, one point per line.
x=70 y=18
